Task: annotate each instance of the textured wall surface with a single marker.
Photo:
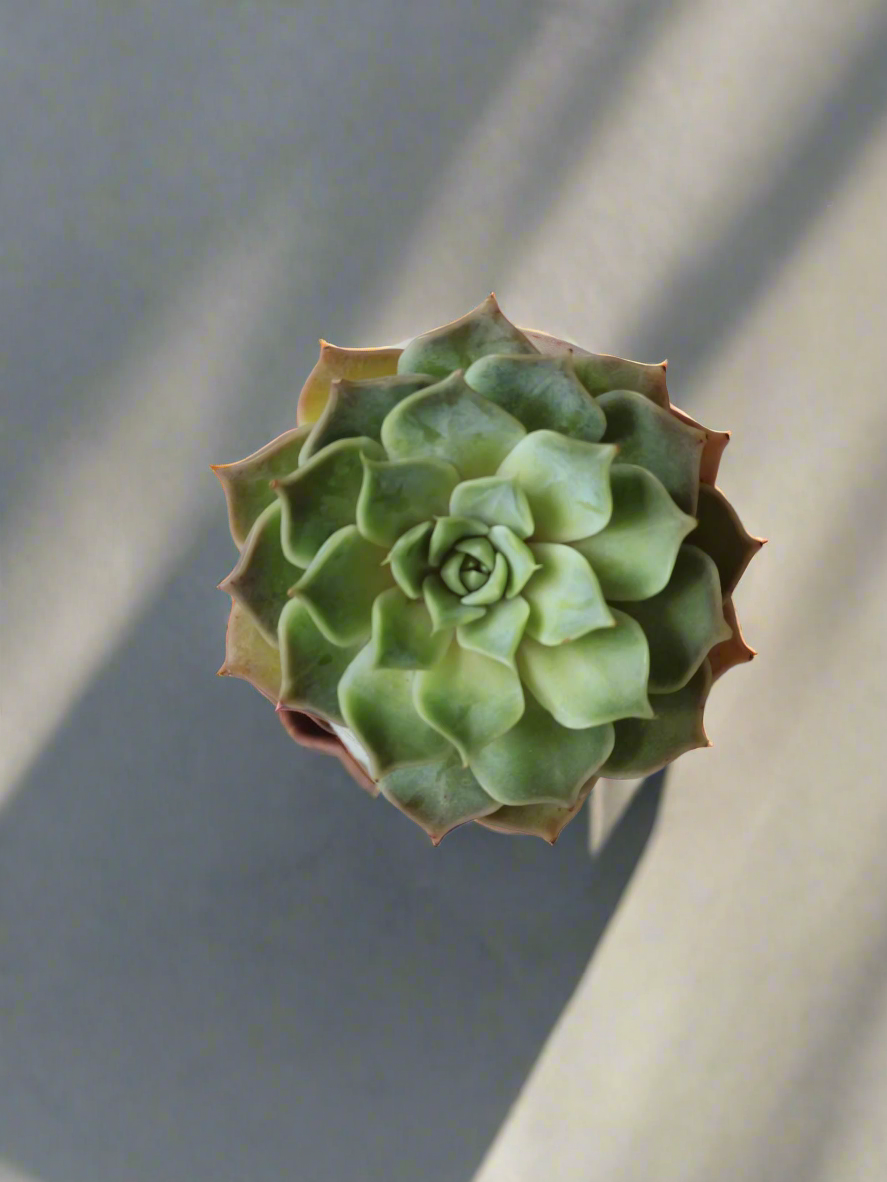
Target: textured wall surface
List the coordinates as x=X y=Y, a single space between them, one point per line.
x=218 y=958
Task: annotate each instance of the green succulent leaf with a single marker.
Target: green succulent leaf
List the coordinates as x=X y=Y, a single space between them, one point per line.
x=540 y=762
x=377 y=705
x=451 y=573
x=649 y=436
x=498 y=632
x=311 y=665
x=600 y=373
x=473 y=580
x=408 y=559
x=543 y=393
x=683 y=622
x=493 y=588
x=496 y=500
x=598 y=678
x=564 y=595
x=723 y=537
x=520 y=558
x=321 y=497
x=478 y=548
x=535 y=820
x=247 y=483
x=339 y=586
x=449 y=421
x=567 y=482
x=447 y=609
x=395 y=496
x=634 y=554
x=438 y=796
x=403 y=636
x=457 y=344
x=358 y=409
x=469 y=698
x=262 y=577
x=248 y=654
x=644 y=745
x=450 y=530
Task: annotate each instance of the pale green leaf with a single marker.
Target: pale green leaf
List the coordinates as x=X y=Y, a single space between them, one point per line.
x=564 y=596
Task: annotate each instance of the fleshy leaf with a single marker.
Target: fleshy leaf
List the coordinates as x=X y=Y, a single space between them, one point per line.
x=497 y=500
x=358 y=409
x=263 y=576
x=402 y=633
x=408 y=559
x=683 y=622
x=520 y=558
x=321 y=497
x=540 y=762
x=564 y=595
x=311 y=665
x=733 y=651
x=633 y=556
x=599 y=372
x=448 y=531
x=447 y=610
x=494 y=586
x=448 y=421
x=438 y=796
x=657 y=441
x=249 y=655
x=469 y=698
x=457 y=344
x=396 y=496
x=341 y=583
x=723 y=537
x=598 y=678
x=246 y=483
x=567 y=483
x=713 y=448
x=547 y=821
x=498 y=632
x=540 y=392
x=478 y=548
x=644 y=745
x=354 y=364
x=451 y=573
x=377 y=705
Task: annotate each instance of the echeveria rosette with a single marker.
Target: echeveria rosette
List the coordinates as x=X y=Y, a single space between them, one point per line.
x=485 y=570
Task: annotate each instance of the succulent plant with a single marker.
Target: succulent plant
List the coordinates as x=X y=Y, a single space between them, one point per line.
x=485 y=570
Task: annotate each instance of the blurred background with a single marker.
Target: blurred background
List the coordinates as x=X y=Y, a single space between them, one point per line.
x=219 y=959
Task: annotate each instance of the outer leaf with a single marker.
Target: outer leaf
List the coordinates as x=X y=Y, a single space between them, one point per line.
x=723 y=537
x=457 y=344
x=644 y=745
x=402 y=633
x=656 y=440
x=540 y=392
x=547 y=821
x=321 y=497
x=683 y=622
x=246 y=484
x=448 y=531
x=599 y=372
x=447 y=610
x=634 y=555
x=540 y=762
x=311 y=665
x=733 y=651
x=564 y=596
x=469 y=698
x=438 y=796
x=341 y=583
x=357 y=409
x=377 y=705
x=333 y=363
x=409 y=559
x=396 y=496
x=249 y=655
x=262 y=577
x=498 y=632
x=520 y=558
x=713 y=449
x=448 y=421
x=567 y=483
x=598 y=678
x=496 y=500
